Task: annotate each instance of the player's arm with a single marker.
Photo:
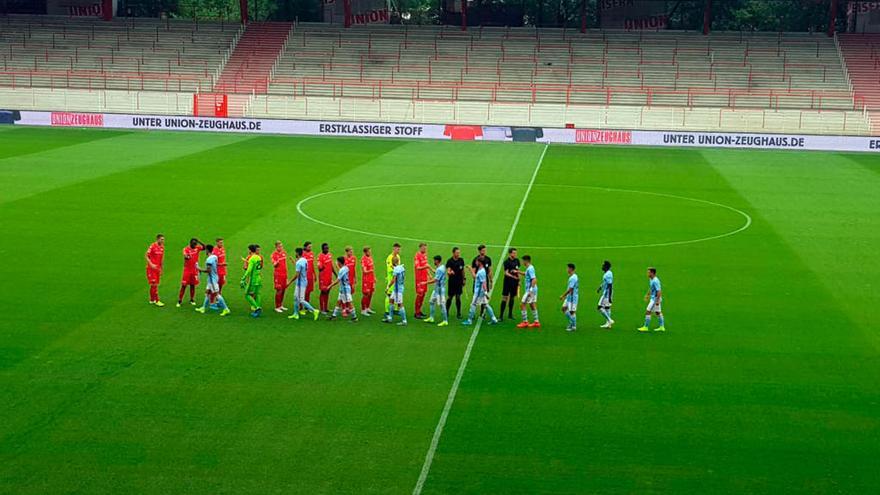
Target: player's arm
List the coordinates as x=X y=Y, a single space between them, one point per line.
x=566 y=293
x=200 y=243
x=246 y=278
x=150 y=263
x=659 y=295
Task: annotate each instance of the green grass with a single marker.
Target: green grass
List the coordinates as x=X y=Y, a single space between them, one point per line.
x=767 y=380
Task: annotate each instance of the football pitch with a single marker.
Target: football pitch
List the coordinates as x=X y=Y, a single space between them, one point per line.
x=766 y=380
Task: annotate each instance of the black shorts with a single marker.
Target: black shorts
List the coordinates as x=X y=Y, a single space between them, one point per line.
x=455 y=289
x=511 y=287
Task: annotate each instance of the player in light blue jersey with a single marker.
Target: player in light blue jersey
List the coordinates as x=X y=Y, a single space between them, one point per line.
x=301 y=279
x=395 y=289
x=606 y=292
x=344 y=300
x=654 y=298
x=481 y=295
x=212 y=289
x=570 y=299
x=438 y=296
x=530 y=296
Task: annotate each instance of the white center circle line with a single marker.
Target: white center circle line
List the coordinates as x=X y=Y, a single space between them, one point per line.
x=746 y=217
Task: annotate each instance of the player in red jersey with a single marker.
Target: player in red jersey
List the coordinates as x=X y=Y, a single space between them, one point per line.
x=351 y=262
x=190 y=270
x=279 y=262
x=220 y=253
x=368 y=281
x=309 y=255
x=422 y=269
x=155 y=263
x=326 y=271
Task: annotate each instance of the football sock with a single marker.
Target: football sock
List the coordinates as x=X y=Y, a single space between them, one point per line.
x=279 y=298
x=661 y=321
x=154 y=293
x=192 y=292
x=402 y=313
x=221 y=302
x=181 y=293
x=647 y=320
x=458 y=305
x=525 y=315
x=445 y=313
x=306 y=306
x=503 y=307
x=252 y=300
x=491 y=312
x=535 y=312
x=606 y=314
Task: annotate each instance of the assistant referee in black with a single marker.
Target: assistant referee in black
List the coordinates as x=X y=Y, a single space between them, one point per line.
x=455 y=275
x=510 y=287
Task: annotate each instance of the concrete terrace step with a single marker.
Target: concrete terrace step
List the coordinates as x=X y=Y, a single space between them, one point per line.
x=250 y=66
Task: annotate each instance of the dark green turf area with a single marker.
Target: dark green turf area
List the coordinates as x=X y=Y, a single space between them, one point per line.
x=767 y=380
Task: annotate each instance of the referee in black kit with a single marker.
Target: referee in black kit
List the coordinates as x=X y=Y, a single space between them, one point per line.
x=455 y=271
x=510 y=288
x=487 y=264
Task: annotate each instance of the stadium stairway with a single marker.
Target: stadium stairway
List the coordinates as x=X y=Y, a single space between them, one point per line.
x=250 y=66
x=861 y=53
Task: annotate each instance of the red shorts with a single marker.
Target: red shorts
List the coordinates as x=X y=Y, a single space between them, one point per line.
x=280 y=281
x=420 y=287
x=190 y=278
x=325 y=284
x=153 y=276
x=310 y=287
x=368 y=287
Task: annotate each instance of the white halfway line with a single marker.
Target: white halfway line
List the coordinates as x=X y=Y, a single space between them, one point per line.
x=438 y=431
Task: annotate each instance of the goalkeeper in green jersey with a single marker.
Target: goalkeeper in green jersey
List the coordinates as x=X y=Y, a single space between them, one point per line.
x=252 y=281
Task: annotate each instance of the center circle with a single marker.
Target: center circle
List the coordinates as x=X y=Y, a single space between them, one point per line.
x=558 y=216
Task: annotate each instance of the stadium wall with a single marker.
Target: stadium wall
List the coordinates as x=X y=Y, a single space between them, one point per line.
x=450 y=132
x=655 y=117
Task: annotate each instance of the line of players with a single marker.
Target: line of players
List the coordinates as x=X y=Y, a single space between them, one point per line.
x=447 y=279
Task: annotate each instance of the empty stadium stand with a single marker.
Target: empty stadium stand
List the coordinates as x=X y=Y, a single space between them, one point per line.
x=862 y=55
x=142 y=55
x=560 y=66
x=515 y=76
